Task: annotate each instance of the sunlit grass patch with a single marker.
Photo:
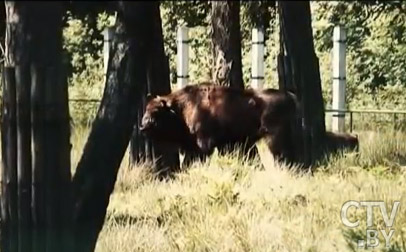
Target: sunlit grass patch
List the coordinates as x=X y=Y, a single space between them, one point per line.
x=230 y=204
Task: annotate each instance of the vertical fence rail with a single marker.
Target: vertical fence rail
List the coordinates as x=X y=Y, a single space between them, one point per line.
x=108 y=37
x=351 y=122
x=182 y=56
x=339 y=78
x=257 y=60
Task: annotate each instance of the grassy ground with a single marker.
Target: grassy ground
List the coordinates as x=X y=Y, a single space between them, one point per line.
x=227 y=204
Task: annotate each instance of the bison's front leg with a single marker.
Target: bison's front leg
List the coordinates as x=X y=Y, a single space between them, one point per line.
x=204 y=148
x=197 y=149
x=203 y=135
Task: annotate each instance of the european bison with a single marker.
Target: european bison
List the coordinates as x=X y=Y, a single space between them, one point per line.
x=198 y=118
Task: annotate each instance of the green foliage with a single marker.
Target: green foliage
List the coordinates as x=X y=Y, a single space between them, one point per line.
x=193 y=14
x=376 y=45
x=257 y=14
x=91 y=16
x=86 y=78
x=375 y=50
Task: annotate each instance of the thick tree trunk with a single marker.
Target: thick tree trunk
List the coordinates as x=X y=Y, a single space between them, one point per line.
x=42 y=168
x=23 y=86
x=111 y=131
x=163 y=158
x=166 y=159
x=226 y=43
x=18 y=163
x=299 y=72
x=50 y=111
x=226 y=46
x=140 y=147
x=9 y=219
x=23 y=156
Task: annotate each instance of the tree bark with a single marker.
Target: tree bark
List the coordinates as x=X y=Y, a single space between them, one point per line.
x=164 y=159
x=226 y=46
x=299 y=66
x=23 y=86
x=97 y=170
x=9 y=219
x=226 y=43
x=23 y=156
x=34 y=37
x=18 y=163
x=50 y=111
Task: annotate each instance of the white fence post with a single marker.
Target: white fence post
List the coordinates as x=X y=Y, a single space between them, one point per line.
x=339 y=78
x=257 y=67
x=182 y=70
x=108 y=36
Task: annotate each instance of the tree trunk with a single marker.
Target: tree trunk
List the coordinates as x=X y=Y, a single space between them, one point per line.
x=299 y=72
x=9 y=219
x=34 y=37
x=140 y=151
x=226 y=43
x=23 y=155
x=52 y=175
x=166 y=159
x=226 y=46
x=18 y=164
x=97 y=170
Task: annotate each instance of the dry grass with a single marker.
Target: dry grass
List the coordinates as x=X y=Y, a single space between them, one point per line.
x=227 y=204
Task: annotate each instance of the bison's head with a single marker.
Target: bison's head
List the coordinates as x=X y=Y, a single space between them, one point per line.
x=160 y=118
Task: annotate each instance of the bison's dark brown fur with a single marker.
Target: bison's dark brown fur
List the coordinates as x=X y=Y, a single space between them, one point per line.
x=199 y=118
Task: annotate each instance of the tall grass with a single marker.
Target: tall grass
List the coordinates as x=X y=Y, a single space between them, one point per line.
x=228 y=204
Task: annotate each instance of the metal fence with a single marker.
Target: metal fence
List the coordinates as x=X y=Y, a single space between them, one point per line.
x=371 y=119
x=355 y=119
